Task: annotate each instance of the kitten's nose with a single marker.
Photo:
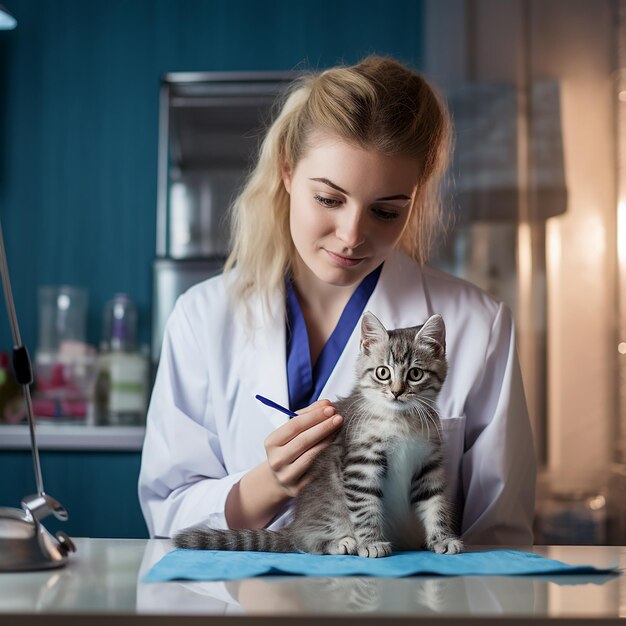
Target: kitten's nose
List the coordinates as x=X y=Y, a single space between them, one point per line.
x=396 y=393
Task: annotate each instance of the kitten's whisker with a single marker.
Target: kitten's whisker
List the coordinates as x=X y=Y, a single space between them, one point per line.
x=435 y=422
x=425 y=421
x=427 y=424
x=427 y=413
x=418 y=412
x=429 y=401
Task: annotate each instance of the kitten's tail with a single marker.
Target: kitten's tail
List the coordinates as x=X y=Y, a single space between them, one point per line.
x=257 y=540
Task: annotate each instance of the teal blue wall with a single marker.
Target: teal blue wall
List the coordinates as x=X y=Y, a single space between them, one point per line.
x=98 y=490
x=79 y=118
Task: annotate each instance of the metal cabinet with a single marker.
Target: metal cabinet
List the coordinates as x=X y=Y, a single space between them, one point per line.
x=210 y=128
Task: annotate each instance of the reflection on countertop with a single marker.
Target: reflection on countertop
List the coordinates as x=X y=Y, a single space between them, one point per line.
x=105 y=577
x=590 y=596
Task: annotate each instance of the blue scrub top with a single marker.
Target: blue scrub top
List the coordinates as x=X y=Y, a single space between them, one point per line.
x=304 y=380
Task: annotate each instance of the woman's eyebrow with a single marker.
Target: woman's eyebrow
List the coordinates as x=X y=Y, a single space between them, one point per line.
x=338 y=188
x=330 y=184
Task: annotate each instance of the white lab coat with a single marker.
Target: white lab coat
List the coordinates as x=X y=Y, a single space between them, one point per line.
x=205 y=429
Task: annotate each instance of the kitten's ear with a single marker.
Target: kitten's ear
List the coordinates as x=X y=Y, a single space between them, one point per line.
x=372 y=332
x=433 y=333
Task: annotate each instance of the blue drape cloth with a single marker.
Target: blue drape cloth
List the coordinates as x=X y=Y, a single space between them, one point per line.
x=305 y=380
x=218 y=565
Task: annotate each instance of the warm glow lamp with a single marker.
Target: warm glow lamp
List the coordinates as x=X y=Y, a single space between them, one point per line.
x=24 y=543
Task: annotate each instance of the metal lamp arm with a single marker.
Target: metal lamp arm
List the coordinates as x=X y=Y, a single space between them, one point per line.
x=21 y=361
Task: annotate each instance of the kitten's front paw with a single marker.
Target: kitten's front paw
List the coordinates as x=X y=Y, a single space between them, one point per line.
x=375 y=550
x=347 y=545
x=448 y=545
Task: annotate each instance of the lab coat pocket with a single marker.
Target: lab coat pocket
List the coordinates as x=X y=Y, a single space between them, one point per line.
x=453 y=437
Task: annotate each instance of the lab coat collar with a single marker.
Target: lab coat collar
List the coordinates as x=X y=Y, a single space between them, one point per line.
x=265 y=356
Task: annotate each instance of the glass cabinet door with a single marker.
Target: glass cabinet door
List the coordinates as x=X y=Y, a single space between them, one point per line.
x=210 y=129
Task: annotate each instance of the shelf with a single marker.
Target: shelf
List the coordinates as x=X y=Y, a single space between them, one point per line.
x=72 y=437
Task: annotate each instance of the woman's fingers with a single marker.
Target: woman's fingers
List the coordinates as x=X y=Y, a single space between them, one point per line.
x=305 y=419
x=299 y=467
x=307 y=440
x=294 y=477
x=292 y=447
x=312 y=407
x=282 y=456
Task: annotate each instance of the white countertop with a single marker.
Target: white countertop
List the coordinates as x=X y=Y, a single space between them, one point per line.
x=101 y=584
x=65 y=436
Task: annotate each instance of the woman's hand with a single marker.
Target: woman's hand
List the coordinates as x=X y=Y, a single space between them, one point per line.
x=254 y=501
x=291 y=448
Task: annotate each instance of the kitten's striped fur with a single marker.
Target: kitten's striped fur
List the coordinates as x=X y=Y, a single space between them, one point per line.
x=380 y=485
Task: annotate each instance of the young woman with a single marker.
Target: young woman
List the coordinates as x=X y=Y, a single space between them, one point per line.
x=337 y=217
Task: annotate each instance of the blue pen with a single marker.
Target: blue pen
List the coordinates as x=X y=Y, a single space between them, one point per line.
x=275 y=406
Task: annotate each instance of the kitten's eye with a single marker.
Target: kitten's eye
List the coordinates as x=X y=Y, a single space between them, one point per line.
x=383 y=373
x=415 y=374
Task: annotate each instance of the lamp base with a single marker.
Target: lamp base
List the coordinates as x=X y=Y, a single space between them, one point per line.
x=26 y=545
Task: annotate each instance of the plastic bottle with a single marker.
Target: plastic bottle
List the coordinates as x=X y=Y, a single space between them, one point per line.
x=122 y=386
x=10 y=391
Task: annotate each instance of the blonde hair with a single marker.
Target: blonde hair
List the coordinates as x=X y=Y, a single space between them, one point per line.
x=376 y=104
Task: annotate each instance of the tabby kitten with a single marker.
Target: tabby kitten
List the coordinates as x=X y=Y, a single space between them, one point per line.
x=379 y=486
